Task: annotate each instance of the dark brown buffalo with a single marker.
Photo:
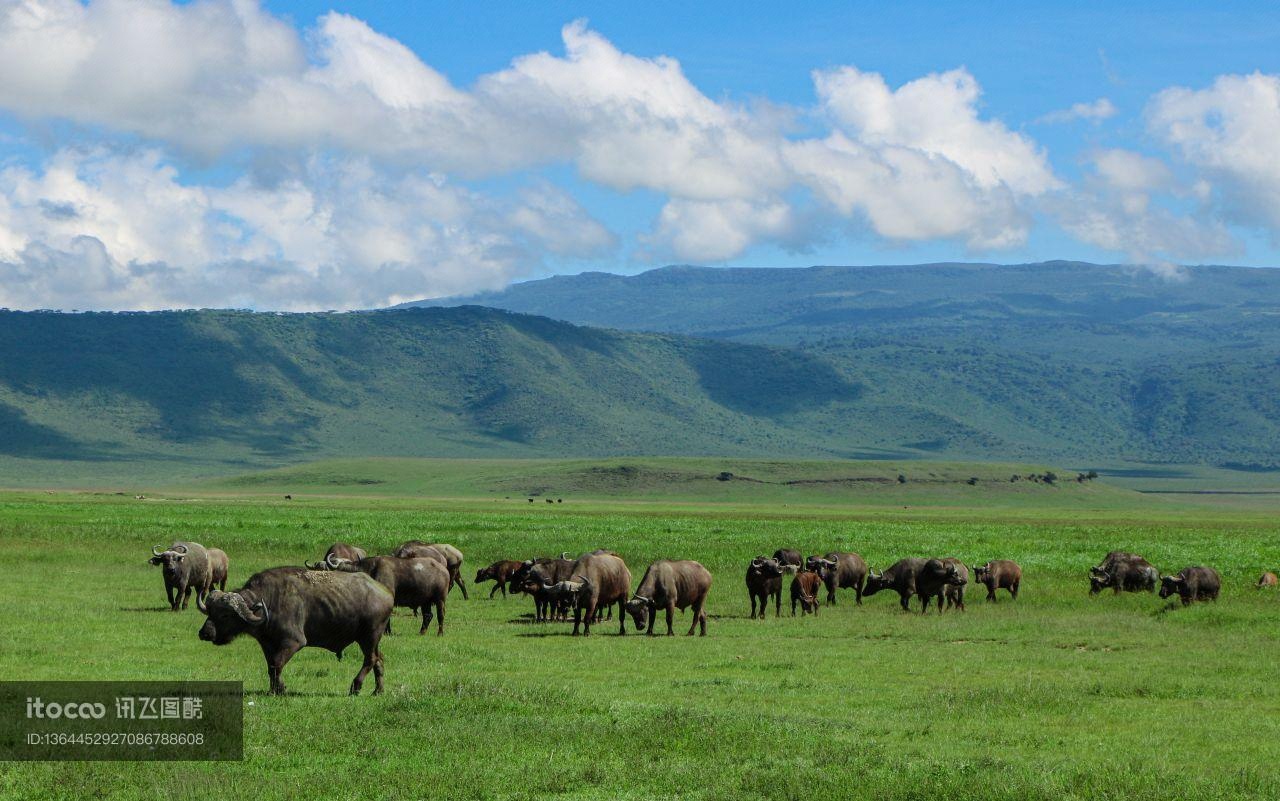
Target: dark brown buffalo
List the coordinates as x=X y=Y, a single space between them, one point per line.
x=451 y=556
x=926 y=578
x=804 y=590
x=764 y=580
x=1121 y=570
x=954 y=592
x=219 y=565
x=414 y=582
x=789 y=558
x=608 y=582
x=534 y=576
x=289 y=608
x=840 y=570
x=1267 y=580
x=671 y=585
x=344 y=551
x=1192 y=584
x=498 y=572
x=999 y=574
x=185 y=566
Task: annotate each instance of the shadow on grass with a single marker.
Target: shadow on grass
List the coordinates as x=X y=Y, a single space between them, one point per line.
x=143 y=609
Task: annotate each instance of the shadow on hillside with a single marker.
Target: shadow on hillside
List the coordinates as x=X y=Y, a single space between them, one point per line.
x=767 y=381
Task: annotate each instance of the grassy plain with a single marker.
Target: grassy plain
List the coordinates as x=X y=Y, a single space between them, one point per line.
x=1057 y=695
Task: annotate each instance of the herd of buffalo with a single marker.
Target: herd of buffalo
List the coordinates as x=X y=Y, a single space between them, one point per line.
x=347 y=597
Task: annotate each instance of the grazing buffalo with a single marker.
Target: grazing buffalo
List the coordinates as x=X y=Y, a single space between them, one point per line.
x=1267 y=580
x=954 y=592
x=789 y=558
x=608 y=582
x=804 y=589
x=840 y=571
x=218 y=567
x=927 y=578
x=289 y=608
x=534 y=576
x=999 y=574
x=185 y=569
x=449 y=555
x=1125 y=571
x=414 y=582
x=671 y=585
x=498 y=572
x=764 y=579
x=344 y=551
x=1192 y=584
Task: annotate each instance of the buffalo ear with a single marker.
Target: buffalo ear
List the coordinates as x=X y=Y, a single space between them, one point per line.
x=179 y=557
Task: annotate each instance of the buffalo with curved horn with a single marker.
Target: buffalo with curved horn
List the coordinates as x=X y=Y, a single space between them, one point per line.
x=186 y=569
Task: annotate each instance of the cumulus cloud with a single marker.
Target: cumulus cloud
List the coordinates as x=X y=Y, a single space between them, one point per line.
x=1133 y=204
x=337 y=234
x=1228 y=131
x=1095 y=112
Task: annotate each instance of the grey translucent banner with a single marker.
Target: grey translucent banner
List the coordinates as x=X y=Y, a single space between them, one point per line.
x=121 y=720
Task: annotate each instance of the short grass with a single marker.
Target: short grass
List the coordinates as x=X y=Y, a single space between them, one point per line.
x=1055 y=696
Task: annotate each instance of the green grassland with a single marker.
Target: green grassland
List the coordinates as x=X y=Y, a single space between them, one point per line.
x=1057 y=695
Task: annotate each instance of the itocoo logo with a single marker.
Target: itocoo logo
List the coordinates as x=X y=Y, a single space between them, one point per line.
x=37 y=708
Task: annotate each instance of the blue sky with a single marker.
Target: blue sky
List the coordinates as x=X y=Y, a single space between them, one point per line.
x=343 y=155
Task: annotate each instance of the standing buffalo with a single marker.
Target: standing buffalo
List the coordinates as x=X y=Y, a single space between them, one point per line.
x=186 y=569
x=840 y=571
x=789 y=558
x=534 y=576
x=764 y=579
x=447 y=554
x=1192 y=584
x=1267 y=580
x=804 y=589
x=954 y=592
x=288 y=608
x=218 y=567
x=344 y=551
x=999 y=574
x=671 y=585
x=1125 y=571
x=414 y=582
x=608 y=582
x=927 y=578
x=498 y=572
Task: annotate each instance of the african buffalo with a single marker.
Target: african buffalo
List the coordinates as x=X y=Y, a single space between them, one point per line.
x=1125 y=571
x=218 y=567
x=414 y=582
x=288 y=608
x=608 y=582
x=954 y=592
x=1192 y=584
x=999 y=574
x=344 y=551
x=840 y=571
x=498 y=572
x=1267 y=580
x=804 y=589
x=186 y=569
x=534 y=575
x=927 y=578
x=764 y=579
x=446 y=553
x=671 y=585
x=789 y=558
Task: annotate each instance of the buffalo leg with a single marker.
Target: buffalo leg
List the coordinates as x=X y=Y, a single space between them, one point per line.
x=426 y=619
x=1013 y=590
x=440 y=617
x=671 y=611
x=857 y=593
x=168 y=590
x=457 y=579
x=699 y=616
x=905 y=600
x=753 y=606
x=372 y=661
x=777 y=604
x=494 y=591
x=186 y=594
x=622 y=615
x=276 y=660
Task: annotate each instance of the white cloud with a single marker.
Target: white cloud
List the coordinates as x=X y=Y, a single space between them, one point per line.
x=1095 y=112
x=1229 y=132
x=339 y=234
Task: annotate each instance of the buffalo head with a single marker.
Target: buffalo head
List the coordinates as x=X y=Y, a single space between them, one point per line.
x=639 y=608
x=766 y=567
x=980 y=573
x=875 y=583
x=1099 y=580
x=229 y=615
x=171 y=559
x=1171 y=585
